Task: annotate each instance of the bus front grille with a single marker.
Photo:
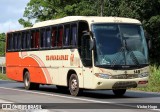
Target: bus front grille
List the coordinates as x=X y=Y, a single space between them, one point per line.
x=124 y=85
x=125 y=76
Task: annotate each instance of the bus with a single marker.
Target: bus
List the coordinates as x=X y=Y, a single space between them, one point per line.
x=80 y=52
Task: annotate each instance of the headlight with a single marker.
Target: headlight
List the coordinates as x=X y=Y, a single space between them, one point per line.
x=145 y=74
x=104 y=76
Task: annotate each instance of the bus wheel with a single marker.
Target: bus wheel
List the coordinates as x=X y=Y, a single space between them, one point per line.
x=27 y=84
x=74 y=85
x=119 y=92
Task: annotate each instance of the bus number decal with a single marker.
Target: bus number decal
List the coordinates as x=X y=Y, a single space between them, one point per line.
x=137 y=71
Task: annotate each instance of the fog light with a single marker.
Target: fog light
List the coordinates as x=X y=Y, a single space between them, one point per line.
x=142 y=82
x=99 y=83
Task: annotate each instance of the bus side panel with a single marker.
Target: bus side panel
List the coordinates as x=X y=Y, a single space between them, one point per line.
x=36 y=74
x=54 y=74
x=36 y=70
x=16 y=63
x=88 y=78
x=63 y=76
x=13 y=66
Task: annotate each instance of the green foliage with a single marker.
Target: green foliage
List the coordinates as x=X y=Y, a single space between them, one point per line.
x=2 y=44
x=25 y=23
x=51 y=9
x=3 y=77
x=2 y=37
x=154 y=80
x=147 y=11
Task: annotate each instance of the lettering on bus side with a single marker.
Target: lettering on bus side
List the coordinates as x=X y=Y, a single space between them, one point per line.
x=56 y=57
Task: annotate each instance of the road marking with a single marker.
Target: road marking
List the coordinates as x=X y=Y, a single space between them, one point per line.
x=56 y=95
x=82 y=99
x=5 y=101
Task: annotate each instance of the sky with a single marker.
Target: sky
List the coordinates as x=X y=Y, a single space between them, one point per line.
x=10 y=12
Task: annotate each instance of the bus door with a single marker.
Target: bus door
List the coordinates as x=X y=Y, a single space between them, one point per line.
x=86 y=54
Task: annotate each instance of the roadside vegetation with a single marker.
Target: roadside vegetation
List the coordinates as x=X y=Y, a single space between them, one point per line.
x=154 y=80
x=3 y=77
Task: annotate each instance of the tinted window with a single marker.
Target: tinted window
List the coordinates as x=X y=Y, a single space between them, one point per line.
x=74 y=35
x=48 y=38
x=43 y=33
x=19 y=41
x=28 y=46
x=53 y=37
x=10 y=42
x=15 y=41
x=66 y=36
x=35 y=39
x=60 y=37
x=24 y=40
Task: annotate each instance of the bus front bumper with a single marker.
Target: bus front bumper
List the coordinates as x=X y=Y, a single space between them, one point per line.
x=101 y=83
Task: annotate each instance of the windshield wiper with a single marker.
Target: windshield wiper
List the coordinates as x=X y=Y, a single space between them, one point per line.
x=123 y=48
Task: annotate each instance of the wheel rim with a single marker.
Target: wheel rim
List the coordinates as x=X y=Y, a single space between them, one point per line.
x=74 y=84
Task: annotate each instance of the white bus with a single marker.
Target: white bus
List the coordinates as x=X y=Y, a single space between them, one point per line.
x=79 y=52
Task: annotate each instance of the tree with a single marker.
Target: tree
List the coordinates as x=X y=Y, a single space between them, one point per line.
x=147 y=11
x=2 y=44
x=51 y=9
x=25 y=23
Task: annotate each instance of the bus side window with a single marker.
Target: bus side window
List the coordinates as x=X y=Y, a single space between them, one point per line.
x=19 y=41
x=73 y=41
x=32 y=39
x=66 y=36
x=14 y=41
x=37 y=39
x=24 y=40
x=53 y=38
x=60 y=37
x=28 y=45
x=48 y=38
x=10 y=42
x=43 y=35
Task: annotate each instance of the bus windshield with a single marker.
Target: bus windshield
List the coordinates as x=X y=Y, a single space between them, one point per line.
x=120 y=45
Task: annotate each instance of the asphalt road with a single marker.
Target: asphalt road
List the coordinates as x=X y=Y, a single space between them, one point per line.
x=61 y=101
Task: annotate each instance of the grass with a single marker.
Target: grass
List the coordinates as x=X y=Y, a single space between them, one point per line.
x=154 y=80
x=3 y=77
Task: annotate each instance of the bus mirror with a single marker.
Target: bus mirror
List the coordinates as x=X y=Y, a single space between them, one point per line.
x=91 y=44
x=88 y=35
x=86 y=53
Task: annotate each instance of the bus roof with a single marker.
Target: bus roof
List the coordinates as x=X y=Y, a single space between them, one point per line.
x=89 y=19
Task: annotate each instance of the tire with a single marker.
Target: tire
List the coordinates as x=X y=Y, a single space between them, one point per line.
x=119 y=92
x=74 y=85
x=27 y=84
